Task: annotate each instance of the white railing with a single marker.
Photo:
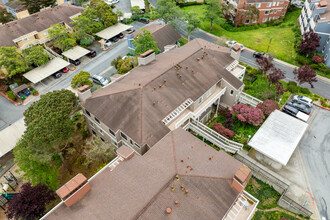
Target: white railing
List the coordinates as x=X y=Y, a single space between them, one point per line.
x=232 y=65
x=248 y=99
x=214 y=137
x=255 y=200
x=176 y=112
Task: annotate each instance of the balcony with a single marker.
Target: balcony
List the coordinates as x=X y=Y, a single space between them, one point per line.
x=238 y=71
x=312 y=23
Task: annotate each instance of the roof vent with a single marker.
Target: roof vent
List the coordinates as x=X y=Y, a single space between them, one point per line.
x=323 y=3
x=176 y=202
x=187 y=191
x=168 y=211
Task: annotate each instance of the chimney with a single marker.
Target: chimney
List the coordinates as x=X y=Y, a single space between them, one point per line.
x=242 y=176
x=74 y=190
x=169 y=47
x=84 y=93
x=147 y=57
x=125 y=152
x=235 y=52
x=22 y=14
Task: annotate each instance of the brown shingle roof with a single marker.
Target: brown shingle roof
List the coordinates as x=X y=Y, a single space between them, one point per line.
x=139 y=187
x=36 y=22
x=15 y=4
x=164 y=34
x=138 y=102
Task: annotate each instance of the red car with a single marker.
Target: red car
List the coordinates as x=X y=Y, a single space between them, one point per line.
x=65 y=70
x=121 y=35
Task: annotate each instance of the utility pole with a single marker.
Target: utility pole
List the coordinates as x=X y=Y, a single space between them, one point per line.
x=269 y=44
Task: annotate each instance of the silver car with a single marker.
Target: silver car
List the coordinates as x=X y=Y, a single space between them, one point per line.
x=100 y=80
x=303 y=99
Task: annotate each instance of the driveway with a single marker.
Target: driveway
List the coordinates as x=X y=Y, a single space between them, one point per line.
x=315 y=151
x=124 y=6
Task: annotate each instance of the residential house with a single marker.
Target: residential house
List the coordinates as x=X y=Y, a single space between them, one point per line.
x=33 y=29
x=163 y=93
x=164 y=35
x=315 y=16
x=15 y=8
x=268 y=10
x=180 y=178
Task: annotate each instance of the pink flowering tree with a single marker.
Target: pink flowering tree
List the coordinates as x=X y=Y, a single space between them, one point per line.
x=317 y=59
x=268 y=106
x=218 y=127
x=248 y=114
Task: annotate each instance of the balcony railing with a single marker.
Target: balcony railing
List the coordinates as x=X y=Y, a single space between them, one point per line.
x=248 y=99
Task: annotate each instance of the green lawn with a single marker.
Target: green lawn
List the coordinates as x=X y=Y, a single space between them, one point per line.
x=282 y=45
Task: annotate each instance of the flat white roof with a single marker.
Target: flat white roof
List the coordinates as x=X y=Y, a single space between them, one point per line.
x=75 y=53
x=10 y=135
x=42 y=72
x=112 y=31
x=139 y=3
x=278 y=136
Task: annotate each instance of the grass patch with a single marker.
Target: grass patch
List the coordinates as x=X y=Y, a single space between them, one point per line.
x=272 y=215
x=183 y=41
x=266 y=194
x=207 y=142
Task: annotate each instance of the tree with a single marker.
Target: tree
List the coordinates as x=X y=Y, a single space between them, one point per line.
x=309 y=43
x=168 y=11
x=145 y=41
x=60 y=101
x=82 y=78
x=89 y=22
x=135 y=10
x=268 y=106
x=218 y=127
x=107 y=16
x=35 y=56
x=213 y=11
x=275 y=76
x=98 y=151
x=265 y=64
x=61 y=36
x=5 y=16
x=305 y=74
x=317 y=59
x=228 y=10
x=193 y=22
x=127 y=64
x=31 y=202
x=120 y=14
x=94 y=3
x=252 y=12
x=12 y=61
x=279 y=89
x=115 y=62
x=34 y=6
x=248 y=114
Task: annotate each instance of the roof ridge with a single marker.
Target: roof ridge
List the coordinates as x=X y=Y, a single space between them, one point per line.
x=115 y=93
x=210 y=177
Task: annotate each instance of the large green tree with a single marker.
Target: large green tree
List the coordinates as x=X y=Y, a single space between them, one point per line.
x=213 y=11
x=5 y=16
x=193 y=22
x=34 y=6
x=82 y=78
x=88 y=22
x=62 y=37
x=108 y=17
x=12 y=61
x=35 y=56
x=168 y=11
x=145 y=41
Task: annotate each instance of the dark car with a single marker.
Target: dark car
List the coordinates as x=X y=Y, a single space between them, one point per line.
x=75 y=62
x=301 y=107
x=121 y=36
x=92 y=53
x=21 y=95
x=65 y=70
x=57 y=75
x=144 y=20
x=258 y=54
x=114 y=39
x=26 y=92
x=290 y=110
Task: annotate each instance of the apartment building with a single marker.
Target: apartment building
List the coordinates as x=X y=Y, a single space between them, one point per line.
x=163 y=93
x=33 y=29
x=315 y=16
x=268 y=10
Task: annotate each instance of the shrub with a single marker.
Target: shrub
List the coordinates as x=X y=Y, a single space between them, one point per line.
x=327 y=71
x=248 y=114
x=183 y=41
x=185 y=4
x=76 y=116
x=301 y=59
x=35 y=92
x=317 y=59
x=268 y=106
x=218 y=127
x=305 y=91
x=322 y=66
x=86 y=41
x=269 y=94
x=135 y=17
x=11 y=95
x=292 y=87
x=315 y=66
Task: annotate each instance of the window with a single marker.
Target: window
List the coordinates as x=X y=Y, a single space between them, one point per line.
x=131 y=141
x=266 y=12
x=102 y=139
x=283 y=13
x=200 y=100
x=92 y=124
x=264 y=20
x=97 y=120
x=277 y=3
x=137 y=145
x=247 y=21
x=231 y=92
x=275 y=11
x=123 y=135
x=26 y=39
x=87 y=112
x=100 y=130
x=328 y=39
x=111 y=132
x=274 y=3
x=45 y=32
x=271 y=11
x=254 y=20
x=269 y=4
x=258 y=5
x=115 y=143
x=94 y=132
x=326 y=57
x=285 y=6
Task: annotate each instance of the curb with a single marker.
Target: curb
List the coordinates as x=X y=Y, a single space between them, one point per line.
x=11 y=99
x=325 y=108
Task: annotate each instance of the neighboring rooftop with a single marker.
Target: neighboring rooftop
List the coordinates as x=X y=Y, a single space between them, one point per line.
x=138 y=102
x=112 y=31
x=164 y=34
x=142 y=187
x=16 y=5
x=278 y=136
x=36 y=22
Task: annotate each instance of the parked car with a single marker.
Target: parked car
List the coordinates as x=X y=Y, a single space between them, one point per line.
x=107 y=43
x=230 y=44
x=114 y=1
x=301 y=107
x=132 y=29
x=21 y=95
x=92 y=53
x=121 y=36
x=290 y=110
x=100 y=80
x=75 y=62
x=26 y=92
x=65 y=70
x=144 y=20
x=114 y=39
x=57 y=75
x=258 y=54
x=303 y=99
x=298 y=4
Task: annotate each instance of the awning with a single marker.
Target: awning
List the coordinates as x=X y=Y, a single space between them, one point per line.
x=42 y=72
x=112 y=31
x=75 y=53
x=139 y=3
x=20 y=88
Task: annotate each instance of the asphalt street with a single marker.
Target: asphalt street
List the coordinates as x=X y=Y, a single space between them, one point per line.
x=315 y=151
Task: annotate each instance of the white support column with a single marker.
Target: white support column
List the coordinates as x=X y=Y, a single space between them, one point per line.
x=216 y=112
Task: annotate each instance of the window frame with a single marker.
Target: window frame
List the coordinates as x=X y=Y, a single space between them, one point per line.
x=111 y=132
x=269 y=4
x=267 y=13
x=97 y=120
x=94 y=133
x=258 y=5
x=88 y=113
x=325 y=57
x=123 y=135
x=247 y=22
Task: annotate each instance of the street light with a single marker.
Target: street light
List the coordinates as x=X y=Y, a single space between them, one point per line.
x=269 y=44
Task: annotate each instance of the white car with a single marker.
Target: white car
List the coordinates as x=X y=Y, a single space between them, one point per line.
x=230 y=44
x=115 y=1
x=100 y=80
x=107 y=43
x=303 y=99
